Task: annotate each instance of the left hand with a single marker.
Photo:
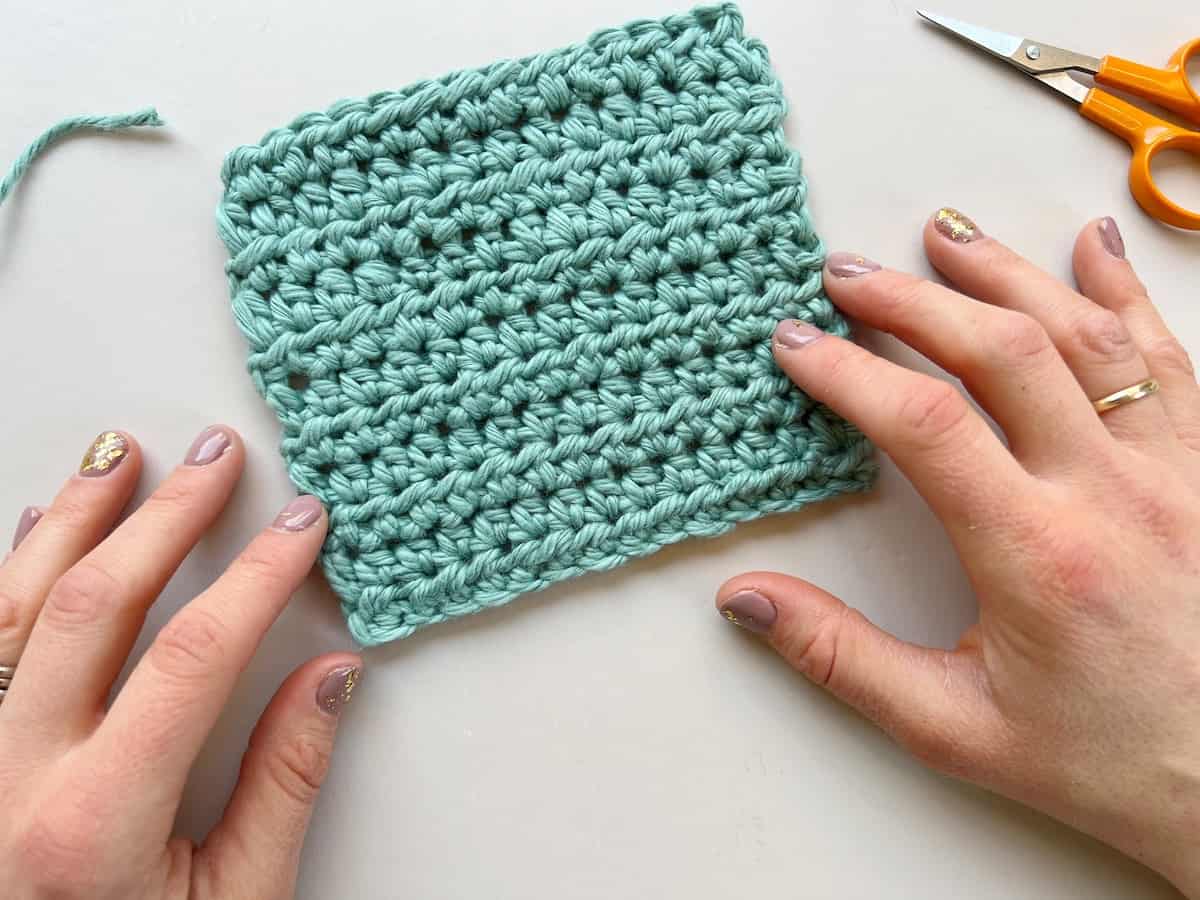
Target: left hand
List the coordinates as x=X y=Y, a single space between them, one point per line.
x=91 y=789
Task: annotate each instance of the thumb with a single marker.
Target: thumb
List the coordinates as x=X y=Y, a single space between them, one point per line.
x=254 y=851
x=932 y=702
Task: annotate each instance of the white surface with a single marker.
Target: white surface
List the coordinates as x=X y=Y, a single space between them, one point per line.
x=611 y=737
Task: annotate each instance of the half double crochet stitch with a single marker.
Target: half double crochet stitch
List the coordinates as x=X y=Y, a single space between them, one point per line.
x=516 y=322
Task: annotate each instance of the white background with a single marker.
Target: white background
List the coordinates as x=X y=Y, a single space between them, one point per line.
x=611 y=737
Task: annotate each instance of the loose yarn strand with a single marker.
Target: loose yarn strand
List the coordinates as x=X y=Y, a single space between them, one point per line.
x=142 y=118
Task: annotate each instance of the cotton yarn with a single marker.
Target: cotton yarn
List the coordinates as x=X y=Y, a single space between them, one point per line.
x=516 y=322
x=142 y=118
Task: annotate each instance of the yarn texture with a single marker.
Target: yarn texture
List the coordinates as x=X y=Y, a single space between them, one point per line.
x=516 y=322
x=142 y=118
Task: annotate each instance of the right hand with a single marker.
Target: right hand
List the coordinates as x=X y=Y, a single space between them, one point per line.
x=1078 y=691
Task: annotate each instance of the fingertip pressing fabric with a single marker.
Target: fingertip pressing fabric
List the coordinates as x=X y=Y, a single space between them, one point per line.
x=516 y=322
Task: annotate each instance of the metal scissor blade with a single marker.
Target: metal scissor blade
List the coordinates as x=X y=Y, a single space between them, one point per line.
x=1049 y=65
x=995 y=42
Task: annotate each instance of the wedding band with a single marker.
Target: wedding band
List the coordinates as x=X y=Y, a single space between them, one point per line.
x=1134 y=392
x=6 y=677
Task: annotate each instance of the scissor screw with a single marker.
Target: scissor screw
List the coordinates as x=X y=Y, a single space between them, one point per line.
x=1033 y=51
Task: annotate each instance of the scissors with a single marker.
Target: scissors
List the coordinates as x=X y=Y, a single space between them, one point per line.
x=1146 y=133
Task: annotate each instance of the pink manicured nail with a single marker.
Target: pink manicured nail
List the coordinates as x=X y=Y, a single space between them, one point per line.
x=30 y=517
x=209 y=446
x=335 y=689
x=792 y=334
x=751 y=610
x=850 y=265
x=299 y=514
x=1110 y=237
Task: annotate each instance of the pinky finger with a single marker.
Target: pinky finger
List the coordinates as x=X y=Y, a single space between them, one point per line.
x=30 y=516
x=1106 y=278
x=254 y=850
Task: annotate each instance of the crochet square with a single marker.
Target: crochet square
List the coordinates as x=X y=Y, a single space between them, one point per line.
x=516 y=322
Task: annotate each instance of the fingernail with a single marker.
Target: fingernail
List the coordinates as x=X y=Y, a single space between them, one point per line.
x=849 y=265
x=792 y=334
x=335 y=689
x=30 y=517
x=958 y=227
x=106 y=453
x=209 y=446
x=751 y=610
x=298 y=514
x=1110 y=237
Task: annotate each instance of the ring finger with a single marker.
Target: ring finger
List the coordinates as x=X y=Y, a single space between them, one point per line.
x=1092 y=340
x=80 y=516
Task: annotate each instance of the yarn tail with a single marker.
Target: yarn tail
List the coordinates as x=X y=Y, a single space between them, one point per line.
x=142 y=118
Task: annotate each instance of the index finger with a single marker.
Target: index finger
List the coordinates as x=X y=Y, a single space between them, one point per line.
x=935 y=436
x=163 y=715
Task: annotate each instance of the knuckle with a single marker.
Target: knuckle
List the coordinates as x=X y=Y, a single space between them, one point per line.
x=192 y=645
x=259 y=568
x=1189 y=433
x=1138 y=292
x=932 y=412
x=1000 y=265
x=1169 y=354
x=997 y=265
x=840 y=367
x=12 y=622
x=1073 y=571
x=171 y=499
x=902 y=299
x=816 y=656
x=86 y=593
x=1018 y=336
x=73 y=512
x=1101 y=333
x=61 y=853
x=1153 y=505
x=298 y=766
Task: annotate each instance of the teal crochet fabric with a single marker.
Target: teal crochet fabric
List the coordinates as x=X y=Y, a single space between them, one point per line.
x=516 y=322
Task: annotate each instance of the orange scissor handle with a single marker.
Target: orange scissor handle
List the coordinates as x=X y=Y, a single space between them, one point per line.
x=1149 y=136
x=1169 y=87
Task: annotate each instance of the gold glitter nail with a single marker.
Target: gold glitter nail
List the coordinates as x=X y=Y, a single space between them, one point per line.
x=105 y=454
x=955 y=225
x=348 y=687
x=731 y=617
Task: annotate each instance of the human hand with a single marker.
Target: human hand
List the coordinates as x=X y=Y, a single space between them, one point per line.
x=91 y=790
x=1078 y=691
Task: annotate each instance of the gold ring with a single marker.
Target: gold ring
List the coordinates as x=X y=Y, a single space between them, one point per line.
x=1134 y=392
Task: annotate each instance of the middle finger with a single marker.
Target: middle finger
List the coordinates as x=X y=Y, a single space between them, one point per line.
x=1004 y=359
x=92 y=615
x=172 y=699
